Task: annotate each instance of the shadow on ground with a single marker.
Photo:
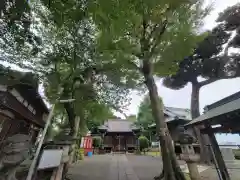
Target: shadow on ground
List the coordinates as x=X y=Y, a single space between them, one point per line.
x=146 y=167
x=94 y=168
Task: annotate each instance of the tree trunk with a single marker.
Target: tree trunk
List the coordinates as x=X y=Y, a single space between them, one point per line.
x=71 y=116
x=75 y=135
x=195 y=112
x=195 y=100
x=74 y=125
x=170 y=167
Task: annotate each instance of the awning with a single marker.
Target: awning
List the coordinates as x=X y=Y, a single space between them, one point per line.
x=218 y=111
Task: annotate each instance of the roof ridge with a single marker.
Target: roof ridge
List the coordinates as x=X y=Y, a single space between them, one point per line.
x=117 y=120
x=223 y=101
x=177 y=108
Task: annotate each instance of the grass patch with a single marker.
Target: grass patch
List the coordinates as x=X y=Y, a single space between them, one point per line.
x=187 y=176
x=152 y=153
x=236 y=153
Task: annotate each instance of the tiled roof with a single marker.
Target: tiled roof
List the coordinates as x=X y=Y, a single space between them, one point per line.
x=180 y=113
x=25 y=82
x=219 y=108
x=118 y=125
x=173 y=114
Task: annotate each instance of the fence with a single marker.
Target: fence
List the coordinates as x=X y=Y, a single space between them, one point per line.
x=231 y=156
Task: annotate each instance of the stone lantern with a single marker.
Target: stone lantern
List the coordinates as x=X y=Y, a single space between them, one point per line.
x=188 y=155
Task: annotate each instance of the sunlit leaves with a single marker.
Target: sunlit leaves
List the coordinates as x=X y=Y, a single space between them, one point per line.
x=133 y=30
x=65 y=13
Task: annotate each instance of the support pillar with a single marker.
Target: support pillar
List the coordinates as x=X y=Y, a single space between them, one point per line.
x=218 y=156
x=203 y=141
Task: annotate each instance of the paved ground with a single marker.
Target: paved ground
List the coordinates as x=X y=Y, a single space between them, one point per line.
x=131 y=167
x=107 y=167
x=146 y=167
x=94 y=168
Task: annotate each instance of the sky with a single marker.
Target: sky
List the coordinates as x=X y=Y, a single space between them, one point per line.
x=208 y=94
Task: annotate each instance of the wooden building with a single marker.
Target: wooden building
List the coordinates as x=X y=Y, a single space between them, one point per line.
x=119 y=135
x=22 y=109
x=219 y=117
x=175 y=118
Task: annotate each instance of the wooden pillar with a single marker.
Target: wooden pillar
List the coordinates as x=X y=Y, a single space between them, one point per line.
x=218 y=156
x=6 y=125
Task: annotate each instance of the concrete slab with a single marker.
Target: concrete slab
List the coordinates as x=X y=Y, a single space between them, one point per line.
x=109 y=167
x=118 y=167
x=145 y=167
x=228 y=155
x=201 y=168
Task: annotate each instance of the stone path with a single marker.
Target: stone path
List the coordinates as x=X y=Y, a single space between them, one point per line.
x=120 y=169
x=131 y=167
x=108 y=167
x=146 y=167
x=94 y=168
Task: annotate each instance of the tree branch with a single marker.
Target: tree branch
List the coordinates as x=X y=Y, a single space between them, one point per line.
x=206 y=82
x=143 y=42
x=134 y=65
x=159 y=36
x=155 y=28
x=209 y=81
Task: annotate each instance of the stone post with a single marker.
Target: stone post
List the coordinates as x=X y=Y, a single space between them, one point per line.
x=188 y=155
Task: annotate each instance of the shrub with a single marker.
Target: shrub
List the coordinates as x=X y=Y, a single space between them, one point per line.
x=237 y=154
x=143 y=143
x=97 y=142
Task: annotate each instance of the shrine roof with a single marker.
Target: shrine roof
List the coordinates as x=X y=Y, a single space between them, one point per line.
x=25 y=82
x=180 y=113
x=174 y=114
x=224 y=106
x=118 y=125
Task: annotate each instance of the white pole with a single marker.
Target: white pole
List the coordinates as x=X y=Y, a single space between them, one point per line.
x=50 y=116
x=119 y=144
x=34 y=162
x=159 y=147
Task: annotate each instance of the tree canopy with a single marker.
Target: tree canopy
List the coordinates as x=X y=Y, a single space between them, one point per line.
x=139 y=37
x=97 y=51
x=144 y=116
x=208 y=59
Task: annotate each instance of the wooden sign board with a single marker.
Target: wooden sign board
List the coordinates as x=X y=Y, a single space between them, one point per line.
x=50 y=158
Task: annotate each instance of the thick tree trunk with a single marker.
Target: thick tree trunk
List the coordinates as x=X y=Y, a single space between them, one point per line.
x=195 y=112
x=170 y=166
x=195 y=100
x=177 y=170
x=74 y=125
x=71 y=116
x=75 y=135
